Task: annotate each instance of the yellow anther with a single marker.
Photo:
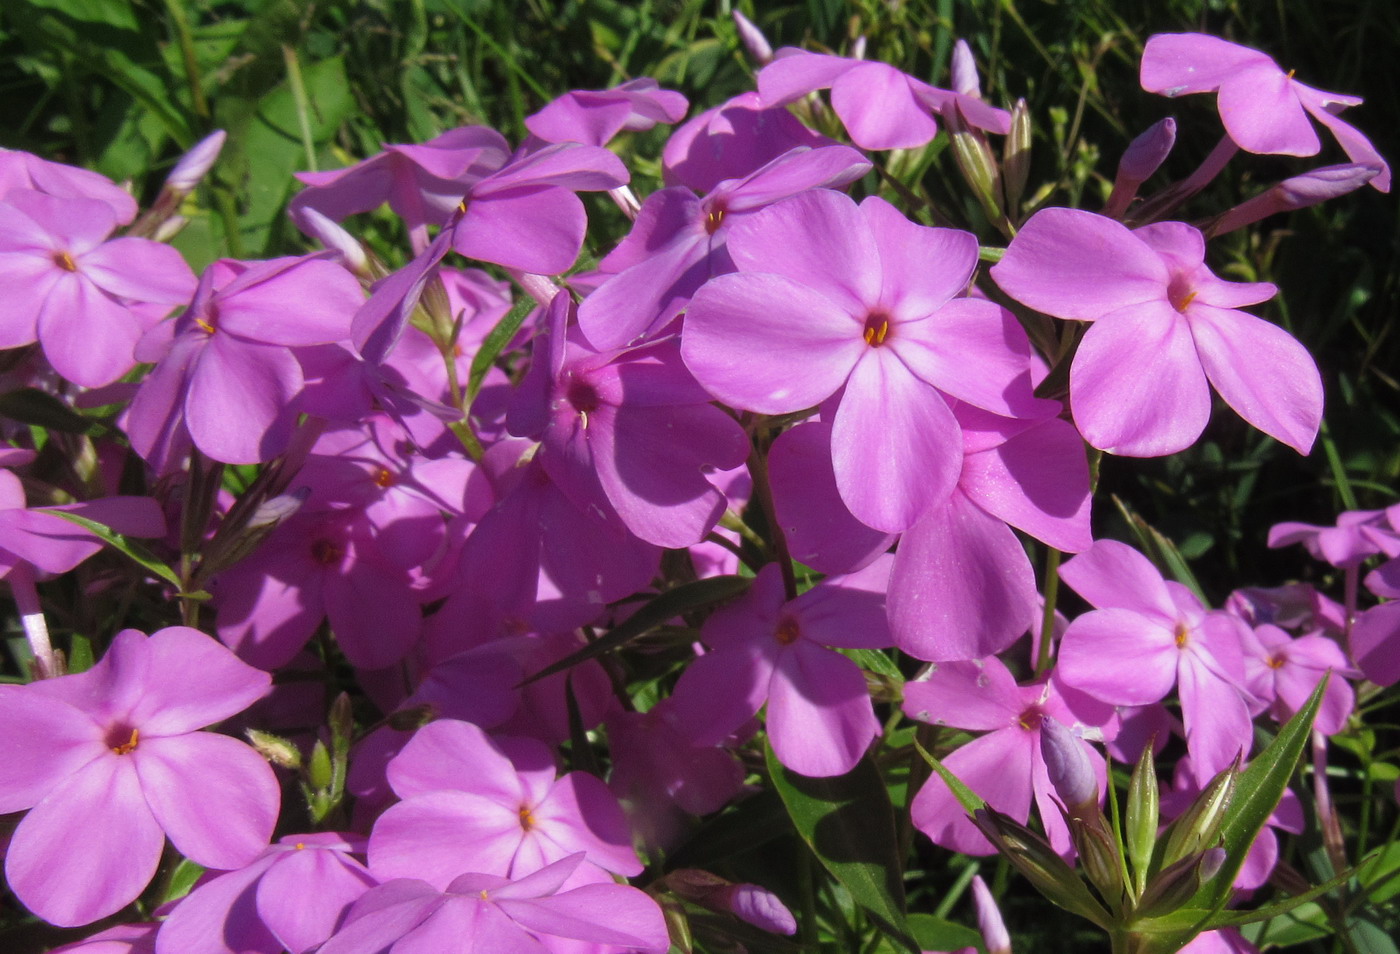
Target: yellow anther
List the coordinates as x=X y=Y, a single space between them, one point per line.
x=129 y=745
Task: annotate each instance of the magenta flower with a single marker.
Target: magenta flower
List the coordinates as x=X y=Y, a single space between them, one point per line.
x=114 y=756
x=732 y=140
x=1164 y=326
x=768 y=650
x=1264 y=109
x=489 y=914
x=85 y=298
x=594 y=117
x=465 y=798
x=23 y=170
x=1005 y=766
x=1148 y=634
x=1357 y=536
x=859 y=302
x=289 y=899
x=881 y=107
x=1283 y=672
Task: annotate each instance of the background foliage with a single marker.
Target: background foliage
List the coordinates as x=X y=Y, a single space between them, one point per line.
x=123 y=86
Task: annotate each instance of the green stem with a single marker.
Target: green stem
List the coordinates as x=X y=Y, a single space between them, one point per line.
x=1047 y=619
x=298 y=87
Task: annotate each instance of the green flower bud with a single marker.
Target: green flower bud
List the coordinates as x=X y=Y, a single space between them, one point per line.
x=1141 y=817
x=1036 y=860
x=274 y=748
x=1199 y=825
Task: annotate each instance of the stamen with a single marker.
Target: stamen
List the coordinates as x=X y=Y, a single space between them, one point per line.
x=327 y=552
x=714 y=218
x=384 y=478
x=65 y=261
x=208 y=328
x=787 y=632
x=300 y=845
x=1183 y=635
x=1276 y=662
x=129 y=745
x=1183 y=303
x=527 y=818
x=877 y=329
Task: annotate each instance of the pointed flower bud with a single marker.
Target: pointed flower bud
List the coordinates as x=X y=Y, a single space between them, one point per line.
x=1178 y=883
x=195 y=164
x=1016 y=156
x=1036 y=860
x=748 y=902
x=1141 y=815
x=277 y=750
x=1099 y=858
x=332 y=236
x=975 y=161
x=1069 y=768
x=753 y=39
x=1141 y=159
x=1299 y=192
x=1199 y=825
x=989 y=920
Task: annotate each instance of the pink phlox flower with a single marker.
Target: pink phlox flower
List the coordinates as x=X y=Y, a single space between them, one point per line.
x=1264 y=109
x=1298 y=607
x=226 y=375
x=1148 y=634
x=23 y=170
x=1357 y=535
x=465 y=795
x=881 y=107
x=662 y=778
x=1375 y=643
x=122 y=939
x=423 y=183
x=118 y=746
x=1005 y=765
x=1282 y=672
x=731 y=141
x=481 y=913
x=85 y=297
x=318 y=566
x=766 y=649
x=835 y=299
x=291 y=898
x=629 y=433
x=594 y=117
x=1164 y=326
x=962 y=586
x=678 y=242
x=1223 y=941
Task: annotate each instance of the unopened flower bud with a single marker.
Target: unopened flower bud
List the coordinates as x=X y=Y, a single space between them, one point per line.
x=964 y=70
x=1069 y=768
x=412 y=718
x=318 y=769
x=195 y=164
x=989 y=921
x=1299 y=192
x=753 y=39
x=858 y=48
x=332 y=236
x=1099 y=858
x=1016 y=157
x=169 y=228
x=1036 y=860
x=1198 y=826
x=747 y=902
x=274 y=748
x=1178 y=883
x=975 y=161
x=1141 y=816
x=1141 y=159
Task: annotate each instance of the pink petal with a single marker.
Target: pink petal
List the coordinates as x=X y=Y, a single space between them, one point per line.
x=972 y=349
x=237 y=406
x=1177 y=63
x=719 y=692
x=599 y=913
x=1357 y=147
x=896 y=447
x=438 y=835
x=962 y=586
x=88 y=336
x=765 y=343
x=532 y=229
x=911 y=287
x=191 y=682
x=141 y=270
x=45 y=741
x=1261 y=371
x=1119 y=656
x=69 y=881
x=1217 y=721
x=979 y=694
x=879 y=110
x=820 y=718
x=450 y=755
x=215 y=797
x=219 y=916
x=1038 y=481
x=818 y=239
x=1075 y=264
x=580 y=814
x=1136 y=383
x=1262 y=113
x=998 y=768
x=795 y=73
x=305 y=892
x=322 y=294
x=383 y=916
x=1114 y=575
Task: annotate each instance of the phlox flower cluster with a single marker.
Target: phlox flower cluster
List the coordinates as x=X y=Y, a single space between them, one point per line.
x=781 y=458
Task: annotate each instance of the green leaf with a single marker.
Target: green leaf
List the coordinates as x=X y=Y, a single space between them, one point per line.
x=849 y=823
x=967 y=798
x=672 y=603
x=181 y=880
x=32 y=406
x=120 y=543
x=495 y=343
x=936 y=934
x=80 y=658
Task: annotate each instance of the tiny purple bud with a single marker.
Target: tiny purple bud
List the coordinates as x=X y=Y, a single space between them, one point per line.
x=195 y=164
x=1299 y=192
x=989 y=920
x=1071 y=773
x=1141 y=159
x=858 y=48
x=332 y=236
x=753 y=39
x=964 y=69
x=757 y=906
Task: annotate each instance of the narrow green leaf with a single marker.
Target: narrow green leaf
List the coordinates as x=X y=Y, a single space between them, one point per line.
x=672 y=603
x=32 y=406
x=120 y=543
x=967 y=798
x=495 y=343
x=80 y=658
x=849 y=823
x=936 y=934
x=181 y=880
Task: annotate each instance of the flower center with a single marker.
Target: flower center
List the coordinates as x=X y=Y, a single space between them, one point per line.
x=383 y=478
x=1276 y=662
x=787 y=632
x=122 y=740
x=327 y=552
x=877 y=329
x=65 y=261
x=1030 y=719
x=210 y=322
x=1183 y=635
x=714 y=219
x=527 y=818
